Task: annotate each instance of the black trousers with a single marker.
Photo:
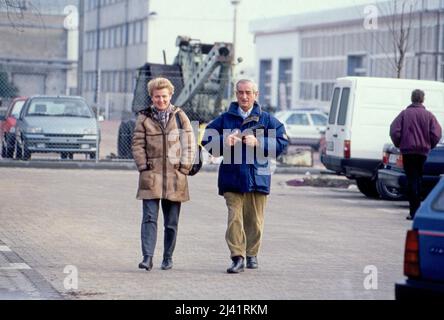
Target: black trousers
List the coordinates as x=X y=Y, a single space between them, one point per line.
x=171 y=212
x=414 y=167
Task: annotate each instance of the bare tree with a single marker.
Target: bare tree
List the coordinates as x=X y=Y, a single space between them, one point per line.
x=399 y=22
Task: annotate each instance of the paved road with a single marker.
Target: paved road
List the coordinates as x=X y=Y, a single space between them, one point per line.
x=316 y=245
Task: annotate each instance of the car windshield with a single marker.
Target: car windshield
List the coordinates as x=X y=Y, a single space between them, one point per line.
x=15 y=112
x=59 y=108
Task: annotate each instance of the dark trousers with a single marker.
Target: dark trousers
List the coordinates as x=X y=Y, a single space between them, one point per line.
x=414 y=167
x=171 y=212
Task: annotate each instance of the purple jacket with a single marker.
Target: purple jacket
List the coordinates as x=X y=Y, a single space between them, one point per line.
x=415 y=130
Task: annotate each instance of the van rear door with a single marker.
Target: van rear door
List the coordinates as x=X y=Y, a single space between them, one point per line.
x=337 y=134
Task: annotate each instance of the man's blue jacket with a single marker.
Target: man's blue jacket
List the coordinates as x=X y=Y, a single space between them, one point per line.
x=245 y=169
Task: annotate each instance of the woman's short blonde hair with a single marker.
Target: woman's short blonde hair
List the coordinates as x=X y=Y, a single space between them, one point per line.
x=159 y=84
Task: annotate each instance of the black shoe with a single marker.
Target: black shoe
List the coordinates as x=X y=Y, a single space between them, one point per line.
x=147 y=263
x=252 y=262
x=409 y=217
x=167 y=264
x=237 y=265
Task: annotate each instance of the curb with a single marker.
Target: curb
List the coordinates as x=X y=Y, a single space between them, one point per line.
x=129 y=165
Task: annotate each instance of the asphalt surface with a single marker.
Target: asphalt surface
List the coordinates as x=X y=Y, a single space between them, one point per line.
x=317 y=241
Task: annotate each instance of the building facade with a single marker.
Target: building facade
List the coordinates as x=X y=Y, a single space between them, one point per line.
x=34 y=48
x=299 y=57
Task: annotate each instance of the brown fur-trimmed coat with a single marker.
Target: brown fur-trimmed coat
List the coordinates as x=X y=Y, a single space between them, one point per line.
x=163 y=156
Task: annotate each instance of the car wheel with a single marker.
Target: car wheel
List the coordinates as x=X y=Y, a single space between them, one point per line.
x=367 y=186
x=8 y=146
x=389 y=193
x=3 y=151
x=124 y=140
x=18 y=151
x=67 y=155
x=26 y=154
x=92 y=156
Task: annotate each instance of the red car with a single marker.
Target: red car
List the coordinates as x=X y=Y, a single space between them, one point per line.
x=7 y=126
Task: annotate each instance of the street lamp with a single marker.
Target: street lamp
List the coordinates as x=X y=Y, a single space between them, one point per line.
x=235 y=4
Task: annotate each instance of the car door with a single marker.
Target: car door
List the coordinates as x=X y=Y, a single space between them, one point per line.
x=299 y=127
x=337 y=135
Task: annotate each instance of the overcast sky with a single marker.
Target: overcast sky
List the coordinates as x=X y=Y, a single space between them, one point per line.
x=212 y=20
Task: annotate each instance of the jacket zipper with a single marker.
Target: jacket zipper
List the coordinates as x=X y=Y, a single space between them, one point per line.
x=164 y=167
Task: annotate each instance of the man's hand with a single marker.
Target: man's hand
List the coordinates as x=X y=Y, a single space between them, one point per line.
x=251 y=140
x=232 y=139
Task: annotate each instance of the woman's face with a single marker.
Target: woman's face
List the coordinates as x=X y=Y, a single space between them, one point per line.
x=161 y=98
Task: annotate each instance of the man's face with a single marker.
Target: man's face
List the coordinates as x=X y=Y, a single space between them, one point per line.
x=245 y=95
x=161 y=98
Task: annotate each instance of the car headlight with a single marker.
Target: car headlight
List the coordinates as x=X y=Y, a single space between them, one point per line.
x=34 y=130
x=89 y=131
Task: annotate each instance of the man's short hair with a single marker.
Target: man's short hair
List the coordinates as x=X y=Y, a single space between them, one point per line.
x=159 y=84
x=254 y=85
x=417 y=96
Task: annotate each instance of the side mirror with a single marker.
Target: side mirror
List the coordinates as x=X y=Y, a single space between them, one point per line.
x=100 y=118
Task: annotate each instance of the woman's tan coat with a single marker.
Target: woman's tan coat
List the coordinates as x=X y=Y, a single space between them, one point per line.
x=163 y=156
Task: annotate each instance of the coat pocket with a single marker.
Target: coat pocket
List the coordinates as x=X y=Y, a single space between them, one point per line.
x=146 y=180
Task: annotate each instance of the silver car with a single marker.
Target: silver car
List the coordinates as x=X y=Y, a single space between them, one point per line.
x=304 y=126
x=66 y=125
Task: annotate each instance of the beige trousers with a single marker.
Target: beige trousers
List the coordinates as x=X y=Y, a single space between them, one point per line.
x=245 y=222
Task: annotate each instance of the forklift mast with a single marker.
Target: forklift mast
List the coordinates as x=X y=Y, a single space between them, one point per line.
x=199 y=73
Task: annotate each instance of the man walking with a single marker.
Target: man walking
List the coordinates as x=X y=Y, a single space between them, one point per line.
x=247 y=137
x=415 y=131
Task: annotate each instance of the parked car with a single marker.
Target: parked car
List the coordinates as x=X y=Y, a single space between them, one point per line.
x=66 y=125
x=7 y=126
x=424 y=251
x=392 y=181
x=362 y=109
x=304 y=126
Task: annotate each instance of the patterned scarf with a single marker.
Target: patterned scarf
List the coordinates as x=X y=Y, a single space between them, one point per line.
x=162 y=116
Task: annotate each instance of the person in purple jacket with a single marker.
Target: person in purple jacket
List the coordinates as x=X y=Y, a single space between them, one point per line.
x=415 y=131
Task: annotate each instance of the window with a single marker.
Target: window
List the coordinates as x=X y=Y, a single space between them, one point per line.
x=306 y=91
x=319 y=119
x=355 y=65
x=326 y=90
x=334 y=106
x=265 y=82
x=285 y=83
x=342 y=115
x=300 y=119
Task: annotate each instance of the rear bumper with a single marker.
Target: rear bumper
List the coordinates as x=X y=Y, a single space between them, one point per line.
x=415 y=289
x=313 y=142
x=398 y=180
x=352 y=168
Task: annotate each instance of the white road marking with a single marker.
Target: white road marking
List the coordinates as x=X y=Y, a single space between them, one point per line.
x=350 y=201
x=16 y=266
x=397 y=211
x=5 y=249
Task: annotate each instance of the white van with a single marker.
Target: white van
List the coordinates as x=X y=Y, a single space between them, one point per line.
x=362 y=109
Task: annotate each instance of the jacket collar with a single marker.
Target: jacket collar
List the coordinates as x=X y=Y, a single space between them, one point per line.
x=416 y=105
x=234 y=106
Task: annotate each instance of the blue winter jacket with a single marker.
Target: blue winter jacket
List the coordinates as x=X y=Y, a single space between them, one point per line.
x=245 y=169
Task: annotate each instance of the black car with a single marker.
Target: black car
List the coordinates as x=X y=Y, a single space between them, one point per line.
x=392 y=181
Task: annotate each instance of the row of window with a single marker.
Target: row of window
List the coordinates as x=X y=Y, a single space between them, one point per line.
x=92 y=4
x=111 y=81
x=285 y=81
x=122 y=35
x=308 y=90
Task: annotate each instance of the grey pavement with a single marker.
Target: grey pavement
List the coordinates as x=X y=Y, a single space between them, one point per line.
x=317 y=241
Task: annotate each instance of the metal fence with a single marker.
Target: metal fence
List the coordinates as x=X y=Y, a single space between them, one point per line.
x=63 y=135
